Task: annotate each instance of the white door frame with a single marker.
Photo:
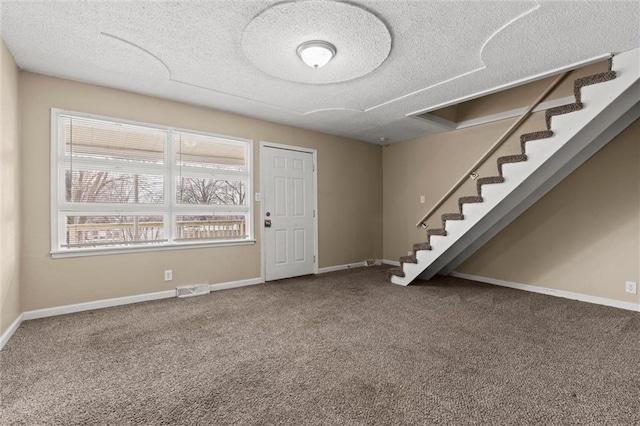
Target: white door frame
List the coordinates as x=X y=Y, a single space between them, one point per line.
x=314 y=196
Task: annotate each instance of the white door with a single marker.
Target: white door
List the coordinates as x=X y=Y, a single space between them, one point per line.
x=288 y=212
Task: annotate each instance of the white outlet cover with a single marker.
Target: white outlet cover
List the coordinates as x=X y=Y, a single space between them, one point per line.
x=631 y=287
x=168 y=275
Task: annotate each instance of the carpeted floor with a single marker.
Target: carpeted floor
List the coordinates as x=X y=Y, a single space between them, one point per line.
x=343 y=348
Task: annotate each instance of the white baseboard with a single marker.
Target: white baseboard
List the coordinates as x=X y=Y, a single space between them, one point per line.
x=9 y=331
x=235 y=284
x=553 y=292
x=390 y=262
x=341 y=267
x=107 y=303
x=97 y=304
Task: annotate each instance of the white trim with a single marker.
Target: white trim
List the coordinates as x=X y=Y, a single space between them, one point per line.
x=235 y=284
x=390 y=262
x=515 y=83
x=118 y=301
x=516 y=112
x=424 y=89
x=434 y=120
x=139 y=249
x=4 y=338
x=263 y=249
x=97 y=304
x=54 y=201
x=552 y=292
x=340 y=267
x=249 y=229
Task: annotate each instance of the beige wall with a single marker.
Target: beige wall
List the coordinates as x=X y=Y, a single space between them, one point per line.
x=427 y=166
x=10 y=304
x=349 y=199
x=581 y=237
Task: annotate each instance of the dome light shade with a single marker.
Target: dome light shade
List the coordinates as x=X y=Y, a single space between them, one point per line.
x=316 y=53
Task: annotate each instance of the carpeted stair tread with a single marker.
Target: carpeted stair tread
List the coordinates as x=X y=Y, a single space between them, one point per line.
x=409 y=259
x=438 y=231
x=451 y=216
x=421 y=246
x=510 y=159
x=468 y=200
x=541 y=134
x=560 y=110
x=395 y=271
x=487 y=181
x=592 y=79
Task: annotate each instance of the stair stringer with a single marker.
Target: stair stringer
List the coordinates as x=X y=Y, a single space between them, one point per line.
x=604 y=105
x=480 y=239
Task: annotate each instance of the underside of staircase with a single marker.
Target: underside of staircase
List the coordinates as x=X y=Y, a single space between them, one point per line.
x=605 y=104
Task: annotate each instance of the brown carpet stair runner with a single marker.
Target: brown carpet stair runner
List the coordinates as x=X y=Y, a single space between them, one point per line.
x=541 y=134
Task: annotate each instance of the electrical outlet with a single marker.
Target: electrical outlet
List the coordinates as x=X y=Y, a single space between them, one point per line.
x=409 y=253
x=168 y=275
x=631 y=287
x=422 y=199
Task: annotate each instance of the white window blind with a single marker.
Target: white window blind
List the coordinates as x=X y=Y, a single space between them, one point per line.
x=118 y=185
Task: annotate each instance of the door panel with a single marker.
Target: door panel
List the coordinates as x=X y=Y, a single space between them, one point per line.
x=288 y=204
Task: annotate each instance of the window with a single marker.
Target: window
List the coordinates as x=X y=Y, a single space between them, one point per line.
x=122 y=186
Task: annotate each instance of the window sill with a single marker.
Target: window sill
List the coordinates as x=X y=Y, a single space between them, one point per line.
x=125 y=250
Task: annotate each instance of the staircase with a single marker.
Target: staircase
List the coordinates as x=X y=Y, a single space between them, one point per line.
x=605 y=104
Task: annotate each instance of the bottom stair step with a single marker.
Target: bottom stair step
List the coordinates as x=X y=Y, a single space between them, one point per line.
x=395 y=271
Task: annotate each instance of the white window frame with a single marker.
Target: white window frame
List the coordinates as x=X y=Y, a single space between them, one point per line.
x=170 y=209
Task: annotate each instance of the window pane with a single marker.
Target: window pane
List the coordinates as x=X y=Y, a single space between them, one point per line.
x=191 y=190
x=210 y=153
x=84 y=186
x=113 y=230
x=214 y=227
x=112 y=181
x=97 y=139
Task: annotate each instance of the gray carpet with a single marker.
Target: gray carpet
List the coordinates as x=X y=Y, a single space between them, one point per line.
x=343 y=348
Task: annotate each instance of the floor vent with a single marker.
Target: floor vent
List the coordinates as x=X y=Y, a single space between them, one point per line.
x=192 y=290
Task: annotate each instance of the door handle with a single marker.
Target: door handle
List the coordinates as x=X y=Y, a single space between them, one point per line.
x=267 y=223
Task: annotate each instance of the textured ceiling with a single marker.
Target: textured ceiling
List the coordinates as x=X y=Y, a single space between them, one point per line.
x=395 y=58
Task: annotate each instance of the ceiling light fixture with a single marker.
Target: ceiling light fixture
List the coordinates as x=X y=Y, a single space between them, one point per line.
x=316 y=53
